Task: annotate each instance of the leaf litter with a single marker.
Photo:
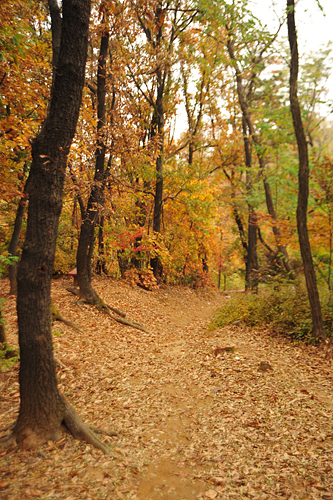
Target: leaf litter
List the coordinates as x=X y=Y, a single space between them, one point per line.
x=194 y=419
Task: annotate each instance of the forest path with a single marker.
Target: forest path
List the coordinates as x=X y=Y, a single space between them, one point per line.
x=191 y=424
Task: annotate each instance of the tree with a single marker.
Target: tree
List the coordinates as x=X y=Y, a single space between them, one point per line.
x=42 y=408
x=256 y=59
x=24 y=71
x=303 y=179
x=95 y=202
x=162 y=23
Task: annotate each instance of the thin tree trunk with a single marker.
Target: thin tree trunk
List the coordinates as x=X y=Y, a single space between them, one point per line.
x=73 y=221
x=303 y=180
x=251 y=276
x=96 y=201
x=13 y=245
x=159 y=108
x=3 y=339
x=256 y=140
x=100 y=265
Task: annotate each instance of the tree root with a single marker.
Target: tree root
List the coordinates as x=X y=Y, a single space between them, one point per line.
x=96 y=301
x=126 y=322
x=9 y=427
x=60 y=363
x=115 y=310
x=82 y=431
x=76 y=291
x=7 y=441
x=96 y=430
x=72 y=423
x=56 y=316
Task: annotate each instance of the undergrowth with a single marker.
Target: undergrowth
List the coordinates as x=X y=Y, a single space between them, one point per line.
x=285 y=311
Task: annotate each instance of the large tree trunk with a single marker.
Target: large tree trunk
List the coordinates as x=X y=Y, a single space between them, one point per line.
x=303 y=180
x=96 y=201
x=42 y=407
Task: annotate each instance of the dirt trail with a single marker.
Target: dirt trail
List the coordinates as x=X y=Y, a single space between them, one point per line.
x=192 y=424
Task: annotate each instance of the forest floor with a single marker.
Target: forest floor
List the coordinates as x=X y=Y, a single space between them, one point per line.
x=191 y=424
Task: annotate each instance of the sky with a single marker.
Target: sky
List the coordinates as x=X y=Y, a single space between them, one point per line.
x=314 y=28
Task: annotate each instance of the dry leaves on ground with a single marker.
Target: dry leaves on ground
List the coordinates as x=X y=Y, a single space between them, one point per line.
x=195 y=420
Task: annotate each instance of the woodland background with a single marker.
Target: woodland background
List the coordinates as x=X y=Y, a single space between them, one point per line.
x=208 y=204
x=179 y=203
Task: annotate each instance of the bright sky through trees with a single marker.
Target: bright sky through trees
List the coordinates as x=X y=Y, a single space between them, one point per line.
x=314 y=26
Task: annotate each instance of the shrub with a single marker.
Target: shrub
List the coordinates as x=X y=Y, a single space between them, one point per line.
x=285 y=311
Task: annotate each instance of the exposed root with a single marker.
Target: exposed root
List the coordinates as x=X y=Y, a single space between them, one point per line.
x=115 y=310
x=7 y=441
x=95 y=300
x=58 y=317
x=82 y=431
x=96 y=430
x=60 y=363
x=10 y=427
x=127 y=322
x=73 y=289
x=69 y=323
x=72 y=423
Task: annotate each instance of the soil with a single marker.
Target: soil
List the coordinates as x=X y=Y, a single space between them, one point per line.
x=194 y=420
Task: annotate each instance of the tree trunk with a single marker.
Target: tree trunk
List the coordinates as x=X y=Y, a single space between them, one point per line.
x=158 y=122
x=96 y=201
x=251 y=276
x=3 y=339
x=100 y=265
x=303 y=180
x=12 y=248
x=42 y=408
x=256 y=140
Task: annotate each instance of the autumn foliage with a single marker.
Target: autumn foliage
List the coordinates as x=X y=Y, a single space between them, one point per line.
x=208 y=188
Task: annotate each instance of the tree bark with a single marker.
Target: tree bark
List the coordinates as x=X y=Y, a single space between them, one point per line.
x=56 y=21
x=12 y=248
x=42 y=407
x=303 y=180
x=251 y=276
x=159 y=108
x=96 y=201
x=3 y=339
x=100 y=265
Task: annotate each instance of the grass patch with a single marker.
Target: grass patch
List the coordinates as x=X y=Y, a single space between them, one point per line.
x=285 y=311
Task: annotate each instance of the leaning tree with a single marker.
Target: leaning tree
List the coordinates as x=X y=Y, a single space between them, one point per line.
x=43 y=409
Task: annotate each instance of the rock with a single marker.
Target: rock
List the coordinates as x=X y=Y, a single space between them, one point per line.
x=265 y=366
